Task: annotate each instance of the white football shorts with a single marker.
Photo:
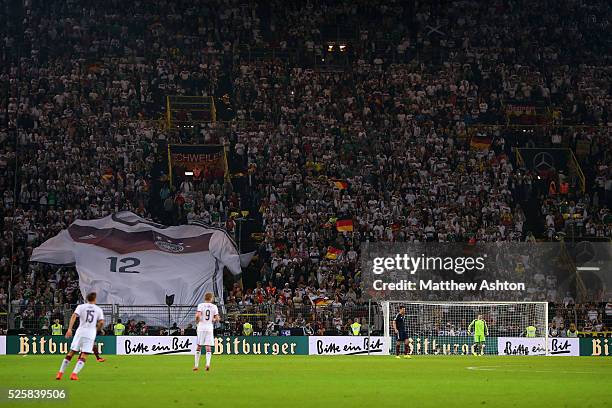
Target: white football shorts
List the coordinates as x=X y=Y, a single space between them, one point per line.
x=206 y=338
x=82 y=344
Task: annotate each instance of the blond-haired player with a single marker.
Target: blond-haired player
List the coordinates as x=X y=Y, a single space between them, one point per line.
x=91 y=319
x=207 y=314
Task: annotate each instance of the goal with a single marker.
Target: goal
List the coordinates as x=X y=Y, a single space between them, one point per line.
x=442 y=327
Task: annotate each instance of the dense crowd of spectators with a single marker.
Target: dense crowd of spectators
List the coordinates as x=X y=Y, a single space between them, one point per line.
x=392 y=116
x=585 y=317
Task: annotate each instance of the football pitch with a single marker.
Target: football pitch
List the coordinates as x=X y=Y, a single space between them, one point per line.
x=307 y=381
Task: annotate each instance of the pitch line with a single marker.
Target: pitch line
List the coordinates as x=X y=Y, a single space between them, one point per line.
x=527 y=370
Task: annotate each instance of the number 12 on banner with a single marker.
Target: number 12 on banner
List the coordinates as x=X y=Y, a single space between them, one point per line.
x=128 y=264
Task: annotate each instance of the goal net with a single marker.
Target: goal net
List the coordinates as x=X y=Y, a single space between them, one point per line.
x=442 y=328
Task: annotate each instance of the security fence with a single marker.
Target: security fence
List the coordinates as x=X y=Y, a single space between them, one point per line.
x=265 y=319
x=3 y=319
x=302 y=319
x=270 y=319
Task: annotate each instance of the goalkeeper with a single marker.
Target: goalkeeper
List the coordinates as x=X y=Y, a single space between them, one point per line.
x=480 y=328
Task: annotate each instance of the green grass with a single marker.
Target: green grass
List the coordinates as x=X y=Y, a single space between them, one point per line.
x=303 y=381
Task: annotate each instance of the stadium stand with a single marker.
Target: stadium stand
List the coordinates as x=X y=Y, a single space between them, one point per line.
x=404 y=118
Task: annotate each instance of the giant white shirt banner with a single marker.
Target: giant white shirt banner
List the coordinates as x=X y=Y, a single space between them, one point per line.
x=348 y=345
x=534 y=346
x=128 y=260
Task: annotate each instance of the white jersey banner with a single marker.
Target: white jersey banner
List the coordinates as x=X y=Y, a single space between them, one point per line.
x=128 y=260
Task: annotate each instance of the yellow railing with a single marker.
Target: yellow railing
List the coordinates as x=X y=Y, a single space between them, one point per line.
x=578 y=170
x=519 y=157
x=168 y=114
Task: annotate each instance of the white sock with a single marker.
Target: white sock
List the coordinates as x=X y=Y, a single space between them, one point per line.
x=79 y=365
x=208 y=356
x=197 y=358
x=64 y=365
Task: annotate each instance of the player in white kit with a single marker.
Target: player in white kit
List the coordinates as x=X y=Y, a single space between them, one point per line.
x=206 y=316
x=91 y=319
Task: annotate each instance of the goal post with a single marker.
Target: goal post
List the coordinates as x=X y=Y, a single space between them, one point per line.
x=442 y=327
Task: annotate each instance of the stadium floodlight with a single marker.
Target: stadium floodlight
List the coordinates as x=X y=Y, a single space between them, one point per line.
x=443 y=328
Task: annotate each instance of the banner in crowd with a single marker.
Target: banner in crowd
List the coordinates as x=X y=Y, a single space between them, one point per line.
x=525 y=346
x=52 y=345
x=518 y=110
x=480 y=141
x=241 y=345
x=546 y=162
x=447 y=345
x=599 y=347
x=2 y=345
x=203 y=161
x=348 y=345
x=128 y=260
x=526 y=115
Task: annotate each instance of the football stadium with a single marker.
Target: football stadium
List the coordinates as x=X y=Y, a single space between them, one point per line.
x=279 y=203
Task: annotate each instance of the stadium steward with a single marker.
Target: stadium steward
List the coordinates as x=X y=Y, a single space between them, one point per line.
x=531 y=331
x=56 y=328
x=247 y=329
x=119 y=328
x=356 y=328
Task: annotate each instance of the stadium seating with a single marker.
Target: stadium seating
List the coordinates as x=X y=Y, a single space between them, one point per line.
x=395 y=118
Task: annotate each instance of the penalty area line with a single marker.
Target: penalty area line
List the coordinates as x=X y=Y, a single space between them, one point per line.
x=522 y=370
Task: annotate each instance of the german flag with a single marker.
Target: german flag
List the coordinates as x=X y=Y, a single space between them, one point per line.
x=321 y=301
x=333 y=253
x=340 y=184
x=480 y=142
x=344 y=225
